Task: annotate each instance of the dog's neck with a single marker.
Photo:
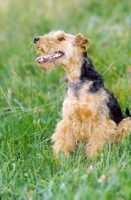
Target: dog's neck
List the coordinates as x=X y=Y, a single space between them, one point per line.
x=73 y=69
x=82 y=70
x=88 y=71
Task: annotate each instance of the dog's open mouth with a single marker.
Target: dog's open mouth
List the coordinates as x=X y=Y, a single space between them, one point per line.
x=49 y=57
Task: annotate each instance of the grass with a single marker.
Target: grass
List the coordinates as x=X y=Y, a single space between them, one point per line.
x=31 y=100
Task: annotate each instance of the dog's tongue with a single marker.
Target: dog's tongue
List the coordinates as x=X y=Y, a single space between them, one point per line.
x=44 y=58
x=49 y=57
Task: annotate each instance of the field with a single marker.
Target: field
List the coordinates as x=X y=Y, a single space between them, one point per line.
x=31 y=100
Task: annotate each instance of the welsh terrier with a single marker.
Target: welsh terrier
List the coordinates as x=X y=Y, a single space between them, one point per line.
x=90 y=111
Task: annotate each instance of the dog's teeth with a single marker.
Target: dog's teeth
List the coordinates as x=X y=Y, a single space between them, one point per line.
x=48 y=57
x=41 y=58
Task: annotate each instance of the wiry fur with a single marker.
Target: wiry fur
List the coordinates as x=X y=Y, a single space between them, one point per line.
x=90 y=111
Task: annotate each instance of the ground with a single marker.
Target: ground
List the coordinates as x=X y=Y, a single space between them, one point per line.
x=30 y=101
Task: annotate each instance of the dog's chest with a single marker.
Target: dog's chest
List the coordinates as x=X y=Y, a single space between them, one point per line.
x=82 y=104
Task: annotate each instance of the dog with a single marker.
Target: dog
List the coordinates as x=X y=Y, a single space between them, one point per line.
x=90 y=112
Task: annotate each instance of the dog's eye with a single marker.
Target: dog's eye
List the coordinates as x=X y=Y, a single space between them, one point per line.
x=61 y=39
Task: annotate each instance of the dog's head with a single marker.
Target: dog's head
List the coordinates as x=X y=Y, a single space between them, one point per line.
x=59 y=48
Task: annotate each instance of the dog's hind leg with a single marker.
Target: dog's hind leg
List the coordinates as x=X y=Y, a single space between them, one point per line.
x=124 y=127
x=99 y=134
x=63 y=138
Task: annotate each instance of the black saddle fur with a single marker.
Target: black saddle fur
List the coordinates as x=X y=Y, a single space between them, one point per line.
x=88 y=73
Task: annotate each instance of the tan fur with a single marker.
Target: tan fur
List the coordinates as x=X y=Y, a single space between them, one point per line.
x=71 y=61
x=85 y=117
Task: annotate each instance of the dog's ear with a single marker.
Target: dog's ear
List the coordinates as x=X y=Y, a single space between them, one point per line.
x=81 y=41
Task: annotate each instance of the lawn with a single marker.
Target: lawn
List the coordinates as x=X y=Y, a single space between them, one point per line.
x=31 y=101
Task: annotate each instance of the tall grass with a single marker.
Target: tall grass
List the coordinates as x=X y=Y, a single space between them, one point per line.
x=31 y=100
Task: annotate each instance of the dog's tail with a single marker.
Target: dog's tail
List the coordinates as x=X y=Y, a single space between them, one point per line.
x=128 y=113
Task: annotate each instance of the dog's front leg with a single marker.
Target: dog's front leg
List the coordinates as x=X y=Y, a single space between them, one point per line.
x=63 y=138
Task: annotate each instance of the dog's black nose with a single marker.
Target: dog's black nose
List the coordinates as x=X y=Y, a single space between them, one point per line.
x=36 y=39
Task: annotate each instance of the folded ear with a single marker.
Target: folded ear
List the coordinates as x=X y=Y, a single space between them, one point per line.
x=81 y=41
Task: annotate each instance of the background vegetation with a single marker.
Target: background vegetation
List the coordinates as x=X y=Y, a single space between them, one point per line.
x=30 y=100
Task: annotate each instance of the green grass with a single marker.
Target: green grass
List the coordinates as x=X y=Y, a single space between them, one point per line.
x=31 y=100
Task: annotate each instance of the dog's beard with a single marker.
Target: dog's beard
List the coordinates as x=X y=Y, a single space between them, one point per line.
x=48 y=61
x=46 y=66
